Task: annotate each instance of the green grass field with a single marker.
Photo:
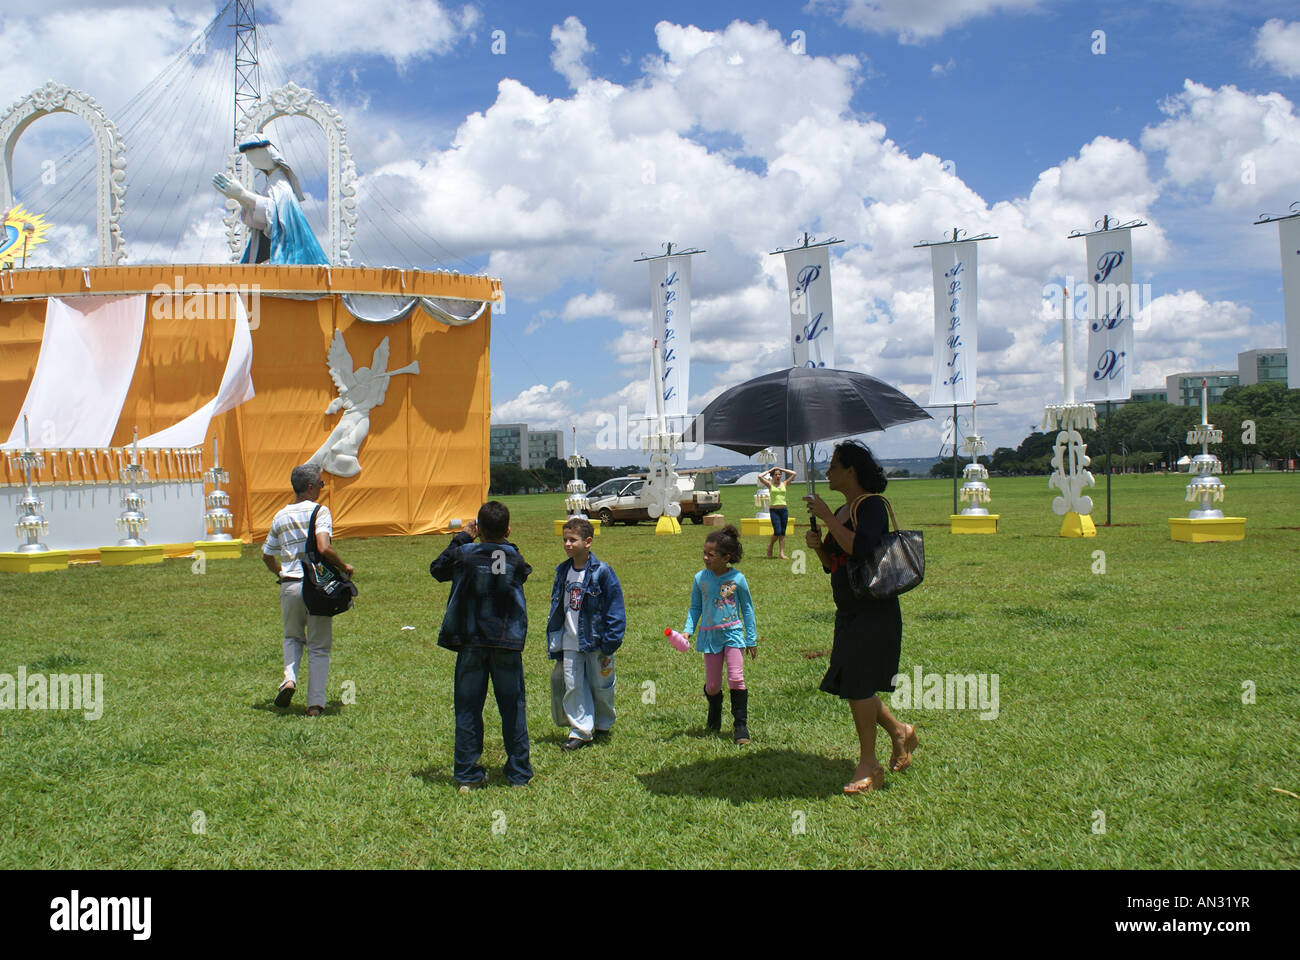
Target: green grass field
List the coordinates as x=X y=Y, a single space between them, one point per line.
x=1120 y=705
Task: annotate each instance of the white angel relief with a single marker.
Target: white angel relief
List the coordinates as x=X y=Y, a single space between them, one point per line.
x=360 y=392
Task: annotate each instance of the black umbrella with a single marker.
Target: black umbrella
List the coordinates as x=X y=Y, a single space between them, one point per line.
x=800 y=405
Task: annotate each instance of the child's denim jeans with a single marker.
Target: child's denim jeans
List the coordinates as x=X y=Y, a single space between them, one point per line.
x=474 y=665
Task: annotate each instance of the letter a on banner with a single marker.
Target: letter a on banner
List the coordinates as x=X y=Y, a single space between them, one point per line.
x=1110 y=315
x=1289 y=231
x=956 y=293
x=812 y=334
x=670 y=298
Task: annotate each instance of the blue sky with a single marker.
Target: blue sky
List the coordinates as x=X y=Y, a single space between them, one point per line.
x=888 y=128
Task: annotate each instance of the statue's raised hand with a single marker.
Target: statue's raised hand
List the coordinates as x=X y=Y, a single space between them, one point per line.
x=233 y=189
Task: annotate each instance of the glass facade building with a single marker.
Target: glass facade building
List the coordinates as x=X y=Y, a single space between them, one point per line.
x=1184 y=389
x=526 y=449
x=1262 y=366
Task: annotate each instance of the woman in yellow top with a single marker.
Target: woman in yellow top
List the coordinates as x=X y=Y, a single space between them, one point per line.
x=776 y=481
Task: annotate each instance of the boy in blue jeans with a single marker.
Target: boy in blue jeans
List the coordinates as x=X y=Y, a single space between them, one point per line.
x=485 y=623
x=583 y=630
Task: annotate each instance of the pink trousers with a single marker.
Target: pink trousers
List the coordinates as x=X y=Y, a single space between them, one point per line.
x=735 y=658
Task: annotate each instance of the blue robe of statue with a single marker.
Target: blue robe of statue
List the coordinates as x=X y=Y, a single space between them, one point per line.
x=280 y=232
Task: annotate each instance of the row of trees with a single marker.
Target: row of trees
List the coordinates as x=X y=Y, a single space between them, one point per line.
x=1259 y=420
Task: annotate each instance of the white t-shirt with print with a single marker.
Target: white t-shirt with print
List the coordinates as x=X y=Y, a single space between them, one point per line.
x=572 y=607
x=288 y=535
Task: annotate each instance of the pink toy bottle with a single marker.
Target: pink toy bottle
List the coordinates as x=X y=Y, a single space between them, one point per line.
x=678 y=640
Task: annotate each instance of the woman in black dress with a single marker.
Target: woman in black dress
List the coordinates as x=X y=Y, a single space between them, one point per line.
x=868 y=633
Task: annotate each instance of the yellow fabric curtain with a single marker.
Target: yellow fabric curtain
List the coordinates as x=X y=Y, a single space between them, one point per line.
x=424 y=461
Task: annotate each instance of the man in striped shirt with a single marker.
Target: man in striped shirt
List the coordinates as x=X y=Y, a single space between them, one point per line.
x=283 y=554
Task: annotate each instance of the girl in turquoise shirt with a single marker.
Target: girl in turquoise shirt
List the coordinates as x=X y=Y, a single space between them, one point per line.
x=723 y=613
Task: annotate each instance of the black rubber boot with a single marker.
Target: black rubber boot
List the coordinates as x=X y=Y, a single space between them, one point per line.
x=740 y=715
x=715 y=710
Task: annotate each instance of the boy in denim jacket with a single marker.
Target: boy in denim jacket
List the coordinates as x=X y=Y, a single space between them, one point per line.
x=485 y=623
x=583 y=630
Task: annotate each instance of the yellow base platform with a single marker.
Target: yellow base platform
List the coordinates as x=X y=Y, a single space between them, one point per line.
x=559 y=526
x=1187 y=530
x=1078 y=525
x=34 y=562
x=665 y=526
x=212 y=549
x=130 y=556
x=974 y=523
x=754 y=527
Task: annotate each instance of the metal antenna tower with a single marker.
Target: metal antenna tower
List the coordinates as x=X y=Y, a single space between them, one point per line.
x=247 y=85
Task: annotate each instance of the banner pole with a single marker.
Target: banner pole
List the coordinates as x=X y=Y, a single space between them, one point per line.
x=954 y=458
x=1106 y=441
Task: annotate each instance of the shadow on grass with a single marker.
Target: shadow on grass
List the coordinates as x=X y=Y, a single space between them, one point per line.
x=332 y=708
x=752 y=775
x=439 y=776
x=442 y=777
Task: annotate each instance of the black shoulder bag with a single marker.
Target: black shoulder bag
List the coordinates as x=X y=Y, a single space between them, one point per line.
x=326 y=591
x=896 y=565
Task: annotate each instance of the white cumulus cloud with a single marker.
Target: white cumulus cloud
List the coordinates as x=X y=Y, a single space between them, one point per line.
x=1278 y=44
x=917 y=20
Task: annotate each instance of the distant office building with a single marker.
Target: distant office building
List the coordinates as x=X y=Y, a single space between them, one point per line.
x=526 y=449
x=543 y=445
x=1184 y=389
x=1262 y=366
x=508 y=443
x=1149 y=395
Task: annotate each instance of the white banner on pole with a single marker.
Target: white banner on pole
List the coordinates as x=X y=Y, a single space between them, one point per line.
x=670 y=300
x=1289 y=232
x=1110 y=315
x=812 y=333
x=954 y=267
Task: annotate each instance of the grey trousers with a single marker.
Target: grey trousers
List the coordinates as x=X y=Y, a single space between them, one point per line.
x=315 y=633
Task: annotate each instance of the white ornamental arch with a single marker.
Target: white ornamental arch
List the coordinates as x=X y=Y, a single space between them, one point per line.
x=292 y=100
x=110 y=193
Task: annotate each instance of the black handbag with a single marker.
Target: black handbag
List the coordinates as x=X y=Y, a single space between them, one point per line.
x=326 y=591
x=896 y=565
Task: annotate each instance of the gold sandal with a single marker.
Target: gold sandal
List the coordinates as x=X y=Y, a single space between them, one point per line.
x=866 y=784
x=901 y=758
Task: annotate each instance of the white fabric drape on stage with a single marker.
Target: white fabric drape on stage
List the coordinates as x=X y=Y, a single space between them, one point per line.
x=88 y=357
x=812 y=321
x=1289 y=232
x=1110 y=315
x=236 y=387
x=670 y=298
x=954 y=269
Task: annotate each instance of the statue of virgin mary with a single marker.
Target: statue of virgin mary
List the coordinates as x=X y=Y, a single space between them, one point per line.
x=279 y=230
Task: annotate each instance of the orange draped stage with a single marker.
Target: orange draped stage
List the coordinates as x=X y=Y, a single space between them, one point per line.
x=425 y=459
